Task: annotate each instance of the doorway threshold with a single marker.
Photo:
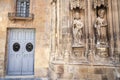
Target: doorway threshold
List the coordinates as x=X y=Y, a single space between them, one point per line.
x=26 y=76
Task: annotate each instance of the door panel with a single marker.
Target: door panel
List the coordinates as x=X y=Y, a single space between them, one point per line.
x=20 y=61
x=28 y=55
x=14 y=57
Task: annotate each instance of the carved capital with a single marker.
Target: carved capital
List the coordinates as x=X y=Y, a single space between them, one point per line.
x=53 y=1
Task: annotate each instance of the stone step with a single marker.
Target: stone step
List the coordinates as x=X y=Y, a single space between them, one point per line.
x=23 y=79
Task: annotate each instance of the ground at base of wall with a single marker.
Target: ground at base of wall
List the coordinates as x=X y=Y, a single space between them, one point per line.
x=23 y=79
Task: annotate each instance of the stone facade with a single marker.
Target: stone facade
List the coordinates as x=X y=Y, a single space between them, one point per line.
x=41 y=11
x=87 y=41
x=75 y=39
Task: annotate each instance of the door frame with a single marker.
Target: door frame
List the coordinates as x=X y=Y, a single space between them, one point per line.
x=7 y=53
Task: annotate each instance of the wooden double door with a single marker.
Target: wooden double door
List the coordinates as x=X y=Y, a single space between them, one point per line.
x=21 y=46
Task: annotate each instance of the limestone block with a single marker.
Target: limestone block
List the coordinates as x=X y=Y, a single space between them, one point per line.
x=94 y=77
x=44 y=72
x=104 y=77
x=98 y=71
x=59 y=69
x=91 y=70
x=1 y=64
x=68 y=76
x=83 y=70
x=1 y=73
x=83 y=76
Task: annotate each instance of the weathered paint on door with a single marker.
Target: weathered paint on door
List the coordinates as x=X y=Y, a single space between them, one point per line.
x=21 y=45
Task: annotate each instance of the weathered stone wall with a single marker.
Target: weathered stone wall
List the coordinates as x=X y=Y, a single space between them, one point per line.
x=41 y=22
x=82 y=61
x=53 y=43
x=82 y=72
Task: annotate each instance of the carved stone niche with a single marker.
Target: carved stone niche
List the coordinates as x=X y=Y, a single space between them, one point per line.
x=101 y=27
x=77 y=9
x=78 y=29
x=101 y=31
x=78 y=21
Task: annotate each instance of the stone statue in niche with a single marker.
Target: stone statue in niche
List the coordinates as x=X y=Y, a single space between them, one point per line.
x=77 y=29
x=101 y=27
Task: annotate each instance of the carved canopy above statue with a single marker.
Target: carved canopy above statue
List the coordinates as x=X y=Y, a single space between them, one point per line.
x=76 y=4
x=53 y=1
x=98 y=3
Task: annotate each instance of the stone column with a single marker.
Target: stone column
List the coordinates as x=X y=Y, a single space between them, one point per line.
x=53 y=29
x=118 y=1
x=110 y=31
x=115 y=25
x=91 y=17
x=65 y=27
x=86 y=28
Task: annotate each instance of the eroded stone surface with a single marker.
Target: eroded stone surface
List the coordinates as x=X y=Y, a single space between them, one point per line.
x=56 y=55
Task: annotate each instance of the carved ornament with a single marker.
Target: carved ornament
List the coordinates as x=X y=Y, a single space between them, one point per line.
x=98 y=3
x=74 y=4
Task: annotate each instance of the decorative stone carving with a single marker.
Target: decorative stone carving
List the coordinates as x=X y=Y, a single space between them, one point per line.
x=98 y=3
x=101 y=32
x=78 y=45
x=52 y=1
x=102 y=52
x=76 y=4
x=78 y=53
x=101 y=27
x=77 y=30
